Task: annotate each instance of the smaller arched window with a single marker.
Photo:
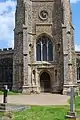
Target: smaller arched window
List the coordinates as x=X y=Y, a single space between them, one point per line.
x=44 y=49
x=78 y=73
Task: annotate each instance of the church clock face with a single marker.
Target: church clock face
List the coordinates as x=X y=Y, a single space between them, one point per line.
x=43 y=14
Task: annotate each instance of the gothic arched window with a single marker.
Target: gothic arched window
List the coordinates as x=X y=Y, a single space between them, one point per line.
x=78 y=73
x=44 y=49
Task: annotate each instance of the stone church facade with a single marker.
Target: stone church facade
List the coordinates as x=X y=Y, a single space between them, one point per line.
x=43 y=59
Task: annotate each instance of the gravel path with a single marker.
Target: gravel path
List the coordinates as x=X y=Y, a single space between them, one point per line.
x=38 y=99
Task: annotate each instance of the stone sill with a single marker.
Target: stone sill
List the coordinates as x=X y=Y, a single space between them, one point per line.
x=42 y=0
x=43 y=24
x=70 y=85
x=48 y=64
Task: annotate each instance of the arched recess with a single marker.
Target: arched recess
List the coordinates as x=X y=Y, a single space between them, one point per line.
x=44 y=48
x=6 y=72
x=45 y=82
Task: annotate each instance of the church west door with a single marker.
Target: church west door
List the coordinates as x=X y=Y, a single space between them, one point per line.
x=45 y=82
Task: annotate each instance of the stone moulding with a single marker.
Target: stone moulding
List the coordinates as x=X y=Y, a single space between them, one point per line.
x=42 y=0
x=44 y=24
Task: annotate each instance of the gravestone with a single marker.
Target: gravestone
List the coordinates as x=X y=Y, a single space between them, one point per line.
x=72 y=95
x=71 y=114
x=5 y=94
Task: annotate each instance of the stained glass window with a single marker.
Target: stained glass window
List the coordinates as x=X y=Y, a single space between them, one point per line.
x=44 y=49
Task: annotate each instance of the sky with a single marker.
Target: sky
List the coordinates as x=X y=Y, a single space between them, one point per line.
x=7 y=22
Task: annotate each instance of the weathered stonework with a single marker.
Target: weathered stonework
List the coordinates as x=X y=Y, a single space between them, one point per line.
x=69 y=52
x=6 y=67
x=31 y=26
x=34 y=19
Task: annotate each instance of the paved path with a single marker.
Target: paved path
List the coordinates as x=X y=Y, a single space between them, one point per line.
x=38 y=99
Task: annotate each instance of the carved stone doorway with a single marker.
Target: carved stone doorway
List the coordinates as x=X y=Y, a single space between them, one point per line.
x=45 y=82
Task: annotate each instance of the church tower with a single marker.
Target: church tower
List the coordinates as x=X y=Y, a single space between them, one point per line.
x=68 y=48
x=40 y=43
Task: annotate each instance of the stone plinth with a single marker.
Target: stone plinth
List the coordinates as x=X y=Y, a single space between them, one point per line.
x=66 y=88
x=30 y=89
x=71 y=116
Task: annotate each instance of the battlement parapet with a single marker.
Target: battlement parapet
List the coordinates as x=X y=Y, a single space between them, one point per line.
x=6 y=49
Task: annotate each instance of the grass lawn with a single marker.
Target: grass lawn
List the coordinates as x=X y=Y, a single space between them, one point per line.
x=42 y=113
x=46 y=112
x=10 y=93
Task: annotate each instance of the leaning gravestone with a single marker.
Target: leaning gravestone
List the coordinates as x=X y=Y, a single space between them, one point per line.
x=8 y=108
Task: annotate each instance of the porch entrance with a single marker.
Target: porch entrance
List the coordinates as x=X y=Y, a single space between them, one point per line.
x=45 y=82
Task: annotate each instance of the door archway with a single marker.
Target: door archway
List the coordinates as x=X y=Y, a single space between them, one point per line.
x=45 y=82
